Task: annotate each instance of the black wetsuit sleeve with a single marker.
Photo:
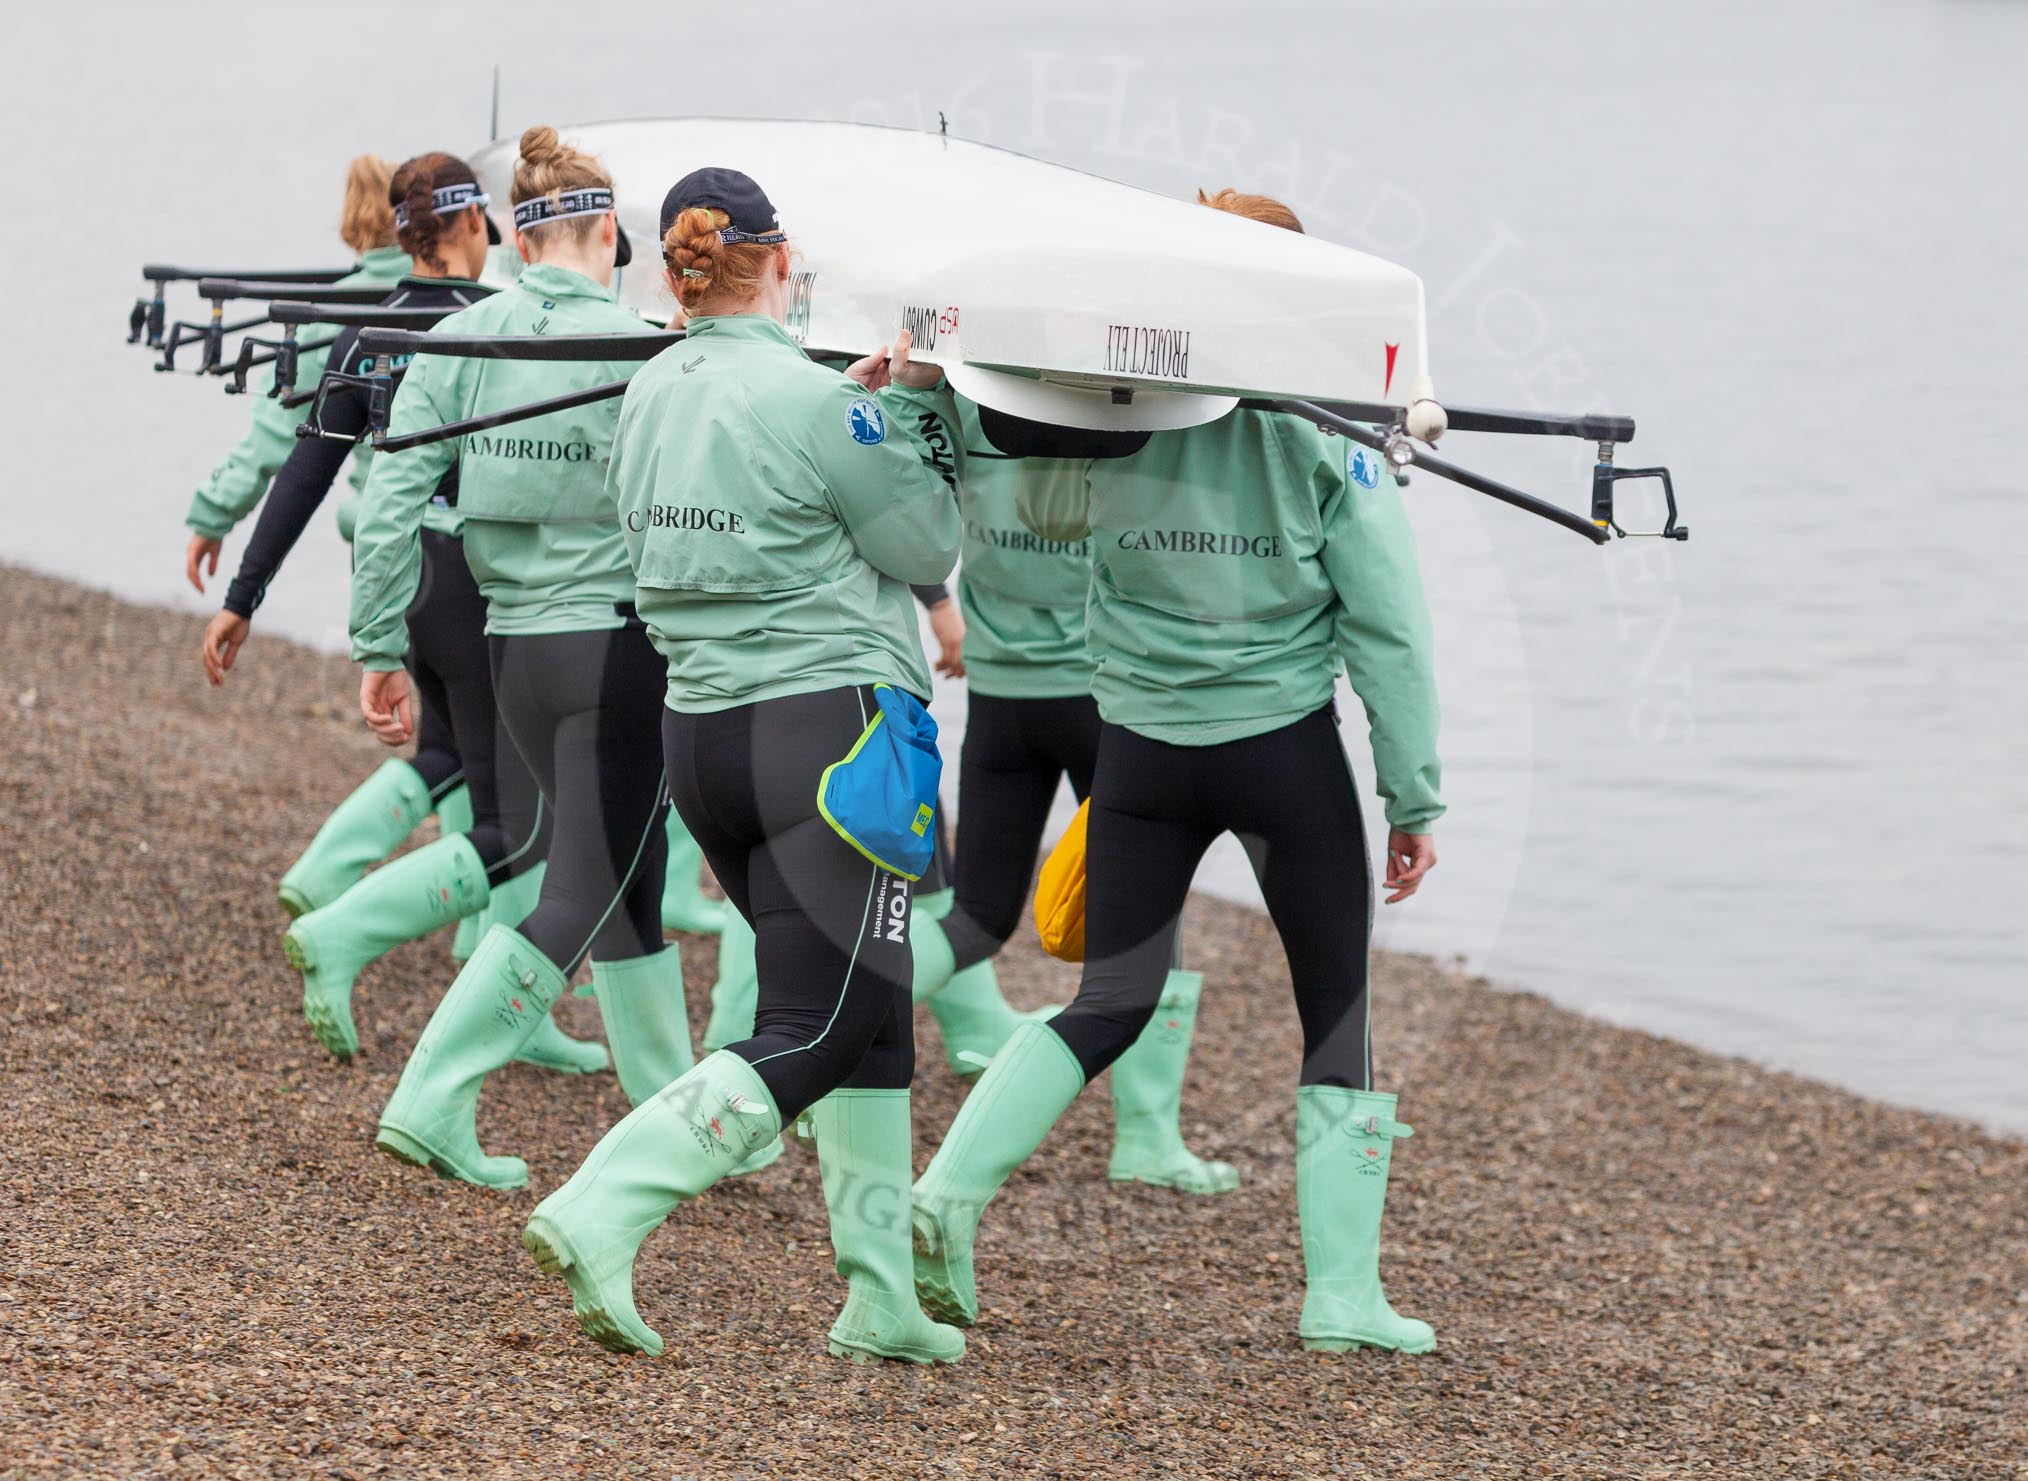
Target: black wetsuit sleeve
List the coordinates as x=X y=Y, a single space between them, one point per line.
x=933 y=595
x=299 y=488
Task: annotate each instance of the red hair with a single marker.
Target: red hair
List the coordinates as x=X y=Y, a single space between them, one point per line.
x=1262 y=208
x=705 y=267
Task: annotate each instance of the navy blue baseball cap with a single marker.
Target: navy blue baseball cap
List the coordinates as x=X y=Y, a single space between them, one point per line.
x=752 y=214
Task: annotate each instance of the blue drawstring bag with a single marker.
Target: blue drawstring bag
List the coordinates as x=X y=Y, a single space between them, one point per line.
x=882 y=797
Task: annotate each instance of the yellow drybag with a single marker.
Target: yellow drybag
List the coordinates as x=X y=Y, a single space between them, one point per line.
x=1059 y=893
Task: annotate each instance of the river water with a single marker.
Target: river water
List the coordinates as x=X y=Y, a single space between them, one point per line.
x=1763 y=792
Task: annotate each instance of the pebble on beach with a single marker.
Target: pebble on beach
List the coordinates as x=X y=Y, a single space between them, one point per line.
x=1641 y=1260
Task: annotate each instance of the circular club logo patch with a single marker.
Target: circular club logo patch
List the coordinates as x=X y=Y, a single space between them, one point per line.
x=864 y=421
x=1362 y=466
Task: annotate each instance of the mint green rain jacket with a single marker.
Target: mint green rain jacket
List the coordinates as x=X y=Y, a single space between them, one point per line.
x=1236 y=567
x=1023 y=594
x=776 y=515
x=236 y=485
x=541 y=534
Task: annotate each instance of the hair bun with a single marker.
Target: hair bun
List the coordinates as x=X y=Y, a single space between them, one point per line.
x=697 y=227
x=703 y=265
x=540 y=144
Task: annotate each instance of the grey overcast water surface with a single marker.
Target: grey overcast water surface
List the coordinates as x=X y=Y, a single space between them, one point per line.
x=1763 y=792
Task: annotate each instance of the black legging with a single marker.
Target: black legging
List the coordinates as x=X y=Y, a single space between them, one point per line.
x=436 y=749
x=1015 y=753
x=436 y=757
x=453 y=676
x=583 y=710
x=1155 y=809
x=831 y=927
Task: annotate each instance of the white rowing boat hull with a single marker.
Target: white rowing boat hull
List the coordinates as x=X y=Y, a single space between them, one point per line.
x=1041 y=289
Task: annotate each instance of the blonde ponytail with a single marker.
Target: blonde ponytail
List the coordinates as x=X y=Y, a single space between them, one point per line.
x=367 y=220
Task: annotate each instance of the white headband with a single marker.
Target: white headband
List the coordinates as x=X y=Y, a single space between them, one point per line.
x=589 y=200
x=444 y=200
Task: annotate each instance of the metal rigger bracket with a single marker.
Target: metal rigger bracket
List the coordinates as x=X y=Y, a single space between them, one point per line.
x=375 y=384
x=1382 y=428
x=1605 y=477
x=148 y=319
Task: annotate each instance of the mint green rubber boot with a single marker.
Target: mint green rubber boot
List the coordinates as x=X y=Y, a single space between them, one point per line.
x=498 y=1000
x=471 y=931
x=1147 y=1086
x=975 y=1019
x=549 y=1047
x=1343 y=1142
x=863 y=1152
x=511 y=902
x=454 y=810
x=454 y=815
x=514 y=900
x=934 y=960
x=1031 y=1083
x=675 y=1146
x=971 y=1013
x=647 y=1024
x=361 y=831
x=734 y=998
x=737 y=990
x=400 y=901
x=685 y=907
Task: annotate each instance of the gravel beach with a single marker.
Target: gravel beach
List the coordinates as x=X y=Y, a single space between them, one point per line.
x=1641 y=1260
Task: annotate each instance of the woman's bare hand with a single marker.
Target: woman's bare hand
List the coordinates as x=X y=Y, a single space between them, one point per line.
x=1409 y=857
x=892 y=366
x=904 y=372
x=947 y=624
x=201 y=551
x=871 y=372
x=386 y=702
x=223 y=636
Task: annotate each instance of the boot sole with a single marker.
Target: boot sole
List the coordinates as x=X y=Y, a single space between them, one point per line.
x=1354 y=1344
x=856 y=1354
x=333 y=1030
x=564 y=1067
x=554 y=1257
x=936 y=1294
x=941 y=1301
x=294 y=901
x=402 y=1147
x=1158 y=1181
